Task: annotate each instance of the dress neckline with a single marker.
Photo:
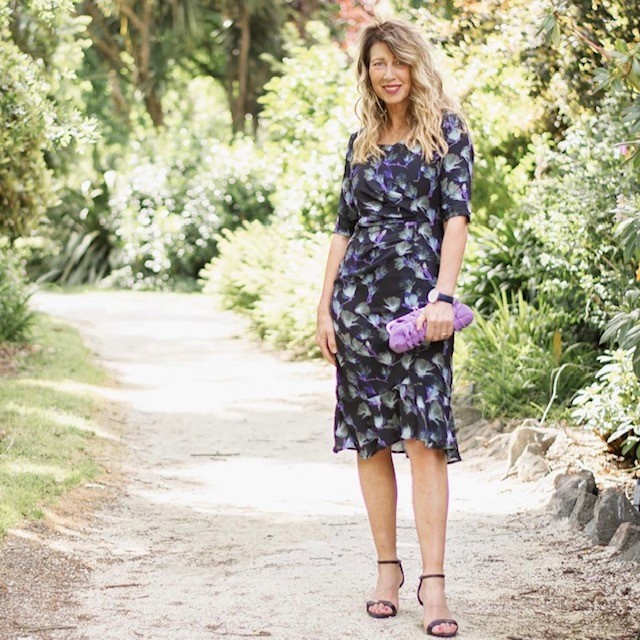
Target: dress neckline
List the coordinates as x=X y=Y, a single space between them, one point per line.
x=393 y=144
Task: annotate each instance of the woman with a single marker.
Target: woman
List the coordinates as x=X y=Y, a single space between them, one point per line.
x=399 y=240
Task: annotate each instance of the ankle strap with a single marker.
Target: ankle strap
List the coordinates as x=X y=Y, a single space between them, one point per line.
x=432 y=575
x=390 y=562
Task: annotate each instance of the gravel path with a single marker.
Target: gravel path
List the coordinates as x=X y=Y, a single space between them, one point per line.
x=235 y=518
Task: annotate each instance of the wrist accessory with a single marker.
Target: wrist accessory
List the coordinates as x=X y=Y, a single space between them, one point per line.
x=404 y=334
x=434 y=296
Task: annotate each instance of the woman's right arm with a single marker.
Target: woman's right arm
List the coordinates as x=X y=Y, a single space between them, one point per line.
x=325 y=335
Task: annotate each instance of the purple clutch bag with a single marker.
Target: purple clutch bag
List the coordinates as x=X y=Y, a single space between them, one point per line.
x=404 y=335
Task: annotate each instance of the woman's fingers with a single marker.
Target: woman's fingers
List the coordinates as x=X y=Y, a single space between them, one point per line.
x=439 y=319
x=328 y=349
x=331 y=341
x=326 y=340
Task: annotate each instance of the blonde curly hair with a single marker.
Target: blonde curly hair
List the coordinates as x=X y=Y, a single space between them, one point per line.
x=427 y=100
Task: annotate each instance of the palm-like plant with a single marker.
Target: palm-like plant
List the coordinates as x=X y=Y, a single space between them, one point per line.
x=137 y=38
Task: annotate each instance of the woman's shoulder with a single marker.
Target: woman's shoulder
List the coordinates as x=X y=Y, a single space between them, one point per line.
x=454 y=126
x=453 y=120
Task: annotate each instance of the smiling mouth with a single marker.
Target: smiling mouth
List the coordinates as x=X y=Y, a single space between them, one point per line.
x=392 y=88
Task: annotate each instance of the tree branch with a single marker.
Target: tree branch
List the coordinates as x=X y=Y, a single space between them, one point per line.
x=126 y=10
x=112 y=56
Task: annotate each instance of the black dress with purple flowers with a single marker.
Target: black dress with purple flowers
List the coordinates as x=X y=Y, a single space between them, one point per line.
x=393 y=209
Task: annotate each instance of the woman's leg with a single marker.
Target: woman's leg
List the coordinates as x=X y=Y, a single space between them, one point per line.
x=379 y=489
x=430 y=506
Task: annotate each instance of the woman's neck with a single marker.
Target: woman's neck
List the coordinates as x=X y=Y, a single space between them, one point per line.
x=395 y=130
x=396 y=117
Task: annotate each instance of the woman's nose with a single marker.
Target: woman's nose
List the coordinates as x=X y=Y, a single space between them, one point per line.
x=389 y=71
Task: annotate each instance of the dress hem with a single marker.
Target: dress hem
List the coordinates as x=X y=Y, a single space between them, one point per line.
x=453 y=455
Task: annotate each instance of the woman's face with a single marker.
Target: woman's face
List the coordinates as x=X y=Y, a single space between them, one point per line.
x=390 y=78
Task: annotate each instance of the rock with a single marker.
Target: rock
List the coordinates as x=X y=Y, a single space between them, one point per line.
x=611 y=510
x=583 y=510
x=527 y=434
x=530 y=464
x=496 y=446
x=626 y=542
x=466 y=414
x=568 y=490
x=581 y=480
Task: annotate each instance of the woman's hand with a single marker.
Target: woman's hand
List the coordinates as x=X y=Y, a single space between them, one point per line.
x=326 y=336
x=439 y=319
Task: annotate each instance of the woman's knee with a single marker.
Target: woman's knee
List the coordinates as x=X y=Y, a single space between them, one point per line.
x=418 y=450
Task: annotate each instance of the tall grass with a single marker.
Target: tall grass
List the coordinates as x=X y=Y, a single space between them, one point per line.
x=514 y=356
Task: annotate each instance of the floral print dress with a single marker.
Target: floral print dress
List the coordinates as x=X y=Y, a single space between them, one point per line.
x=393 y=209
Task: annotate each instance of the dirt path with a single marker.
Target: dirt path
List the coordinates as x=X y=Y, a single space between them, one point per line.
x=267 y=536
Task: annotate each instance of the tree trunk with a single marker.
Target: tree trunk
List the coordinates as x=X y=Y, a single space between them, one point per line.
x=243 y=67
x=153 y=103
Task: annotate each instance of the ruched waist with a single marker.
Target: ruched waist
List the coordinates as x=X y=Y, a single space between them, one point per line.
x=369 y=223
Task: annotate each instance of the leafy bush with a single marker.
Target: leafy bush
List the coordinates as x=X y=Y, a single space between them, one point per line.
x=168 y=221
x=32 y=121
x=308 y=116
x=513 y=356
x=624 y=326
x=273 y=278
x=15 y=315
x=501 y=257
x=25 y=180
x=611 y=405
x=570 y=213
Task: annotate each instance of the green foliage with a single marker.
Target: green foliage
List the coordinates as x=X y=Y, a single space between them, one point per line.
x=82 y=229
x=40 y=50
x=604 y=45
x=502 y=257
x=513 y=356
x=308 y=116
x=611 y=405
x=168 y=215
x=15 y=315
x=271 y=277
x=624 y=327
x=569 y=212
x=25 y=180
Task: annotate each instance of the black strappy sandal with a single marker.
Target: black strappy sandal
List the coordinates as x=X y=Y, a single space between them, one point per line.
x=386 y=603
x=435 y=623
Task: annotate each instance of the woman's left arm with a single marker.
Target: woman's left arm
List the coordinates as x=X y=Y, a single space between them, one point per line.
x=455 y=209
x=439 y=315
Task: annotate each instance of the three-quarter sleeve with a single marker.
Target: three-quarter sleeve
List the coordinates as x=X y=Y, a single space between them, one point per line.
x=347 y=211
x=457 y=170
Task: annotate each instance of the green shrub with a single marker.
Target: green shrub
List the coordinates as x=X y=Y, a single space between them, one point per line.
x=15 y=315
x=273 y=278
x=25 y=180
x=169 y=217
x=611 y=405
x=39 y=106
x=513 y=356
x=242 y=271
x=623 y=328
x=501 y=257
x=307 y=117
x=570 y=212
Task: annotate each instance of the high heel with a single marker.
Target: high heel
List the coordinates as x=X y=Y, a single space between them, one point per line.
x=386 y=603
x=435 y=623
